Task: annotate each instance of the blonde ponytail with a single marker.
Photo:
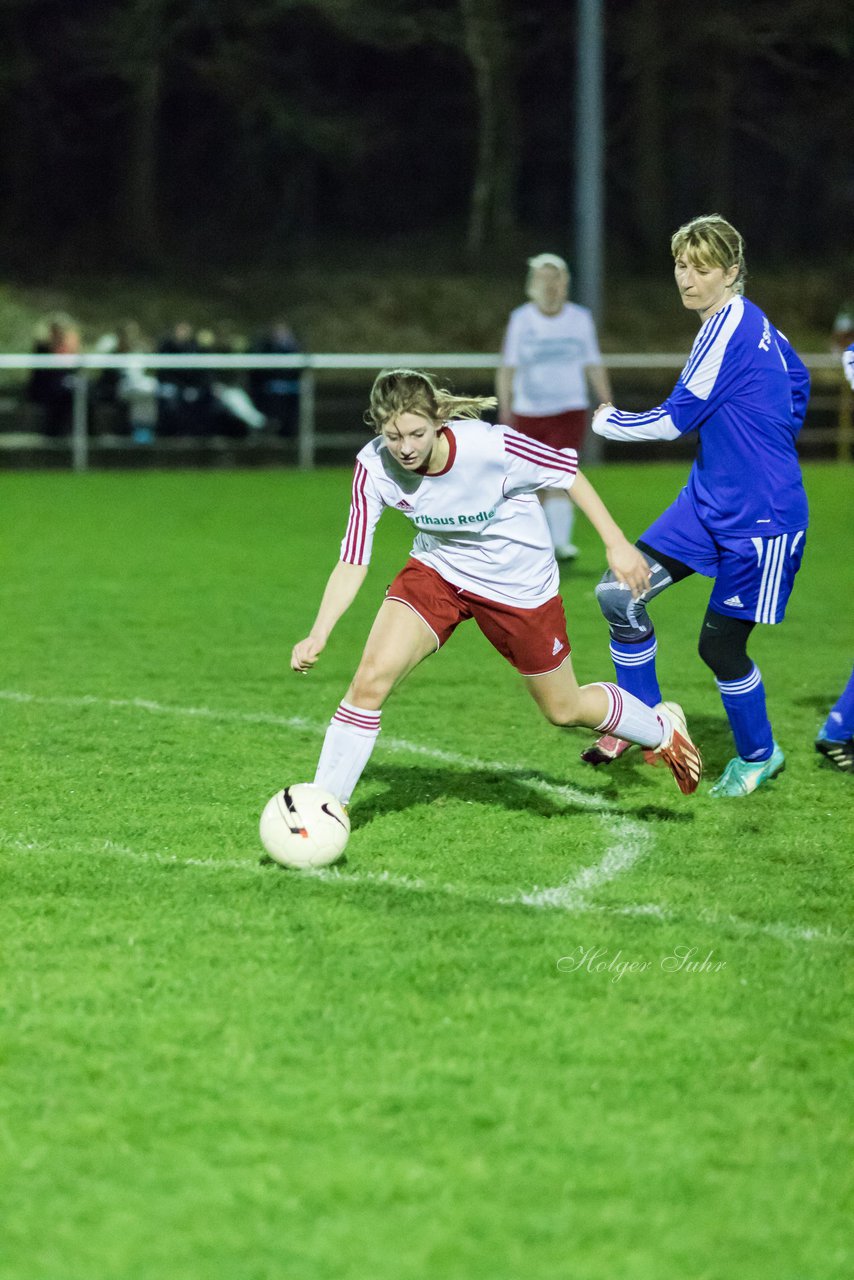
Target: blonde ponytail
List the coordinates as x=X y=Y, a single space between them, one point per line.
x=397 y=391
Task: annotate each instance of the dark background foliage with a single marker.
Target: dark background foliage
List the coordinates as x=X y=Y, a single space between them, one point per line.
x=133 y=132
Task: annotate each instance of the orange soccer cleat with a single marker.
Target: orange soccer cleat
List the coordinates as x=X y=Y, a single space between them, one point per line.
x=678 y=751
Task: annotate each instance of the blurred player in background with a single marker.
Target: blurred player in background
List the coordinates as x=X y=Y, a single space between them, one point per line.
x=549 y=355
x=848 y=364
x=836 y=736
x=742 y=517
x=482 y=551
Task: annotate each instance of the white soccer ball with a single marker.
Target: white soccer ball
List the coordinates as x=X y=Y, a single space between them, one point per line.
x=304 y=826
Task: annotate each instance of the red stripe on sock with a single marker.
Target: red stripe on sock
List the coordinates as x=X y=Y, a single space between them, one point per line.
x=615 y=713
x=367 y=720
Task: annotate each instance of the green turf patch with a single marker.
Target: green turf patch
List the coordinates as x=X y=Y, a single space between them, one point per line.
x=543 y=1021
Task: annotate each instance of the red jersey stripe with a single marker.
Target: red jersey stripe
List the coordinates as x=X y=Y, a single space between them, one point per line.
x=542 y=454
x=354 y=546
x=524 y=447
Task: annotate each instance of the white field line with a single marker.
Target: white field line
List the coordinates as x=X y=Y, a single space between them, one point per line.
x=549 y=900
x=394 y=746
x=628 y=841
x=631 y=842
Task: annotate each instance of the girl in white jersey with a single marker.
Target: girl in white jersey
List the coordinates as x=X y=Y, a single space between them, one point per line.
x=482 y=550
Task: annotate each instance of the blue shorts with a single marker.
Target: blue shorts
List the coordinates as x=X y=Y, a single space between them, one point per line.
x=753 y=576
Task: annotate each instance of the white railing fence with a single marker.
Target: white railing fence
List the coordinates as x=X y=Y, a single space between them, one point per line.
x=308 y=366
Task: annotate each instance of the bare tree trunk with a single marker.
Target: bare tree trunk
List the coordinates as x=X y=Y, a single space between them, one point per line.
x=19 y=144
x=649 y=185
x=721 y=106
x=492 y=211
x=138 y=212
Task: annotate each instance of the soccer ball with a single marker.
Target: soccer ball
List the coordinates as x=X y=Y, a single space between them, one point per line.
x=304 y=826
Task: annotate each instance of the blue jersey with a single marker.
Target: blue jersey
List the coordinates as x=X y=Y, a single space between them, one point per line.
x=745 y=392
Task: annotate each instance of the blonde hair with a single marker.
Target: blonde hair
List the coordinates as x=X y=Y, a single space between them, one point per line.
x=397 y=391
x=537 y=263
x=712 y=241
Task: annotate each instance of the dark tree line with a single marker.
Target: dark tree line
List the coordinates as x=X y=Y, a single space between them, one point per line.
x=135 y=128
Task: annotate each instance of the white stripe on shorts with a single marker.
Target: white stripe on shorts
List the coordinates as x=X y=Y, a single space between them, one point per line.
x=774 y=551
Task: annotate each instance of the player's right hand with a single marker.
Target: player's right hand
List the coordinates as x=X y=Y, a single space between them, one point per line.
x=629 y=566
x=305 y=653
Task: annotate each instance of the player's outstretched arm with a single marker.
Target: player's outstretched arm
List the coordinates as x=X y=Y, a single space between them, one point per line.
x=341 y=590
x=656 y=424
x=627 y=562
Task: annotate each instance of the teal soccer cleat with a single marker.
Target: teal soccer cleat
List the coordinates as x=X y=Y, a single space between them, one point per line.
x=741 y=777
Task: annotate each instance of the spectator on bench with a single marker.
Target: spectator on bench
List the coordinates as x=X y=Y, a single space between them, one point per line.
x=234 y=413
x=131 y=391
x=275 y=392
x=53 y=389
x=185 y=394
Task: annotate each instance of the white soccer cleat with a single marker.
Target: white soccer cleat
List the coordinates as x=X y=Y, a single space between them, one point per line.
x=678 y=751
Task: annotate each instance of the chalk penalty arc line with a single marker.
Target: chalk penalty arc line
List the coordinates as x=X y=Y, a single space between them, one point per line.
x=388 y=744
x=628 y=841
x=562 y=899
x=633 y=841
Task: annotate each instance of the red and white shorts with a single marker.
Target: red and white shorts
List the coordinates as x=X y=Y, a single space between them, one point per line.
x=533 y=640
x=560 y=430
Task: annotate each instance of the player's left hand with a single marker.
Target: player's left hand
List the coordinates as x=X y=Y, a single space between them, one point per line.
x=630 y=566
x=305 y=654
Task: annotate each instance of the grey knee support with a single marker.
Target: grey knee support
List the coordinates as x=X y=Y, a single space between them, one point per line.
x=627 y=617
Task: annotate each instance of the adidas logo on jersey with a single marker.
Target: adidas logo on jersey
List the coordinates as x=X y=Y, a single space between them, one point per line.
x=403 y=505
x=735 y=601
x=558 y=645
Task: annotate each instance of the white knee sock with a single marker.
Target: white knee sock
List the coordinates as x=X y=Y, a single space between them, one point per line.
x=631 y=719
x=347 y=748
x=560 y=514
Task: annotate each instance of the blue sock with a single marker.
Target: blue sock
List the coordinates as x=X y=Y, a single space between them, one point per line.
x=839 y=725
x=635 y=668
x=744 y=703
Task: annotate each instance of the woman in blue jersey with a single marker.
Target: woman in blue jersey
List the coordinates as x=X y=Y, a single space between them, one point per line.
x=742 y=517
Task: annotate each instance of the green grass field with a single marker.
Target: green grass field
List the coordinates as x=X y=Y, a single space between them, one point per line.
x=430 y=1062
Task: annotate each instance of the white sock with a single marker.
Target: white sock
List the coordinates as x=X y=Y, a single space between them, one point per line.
x=560 y=514
x=632 y=719
x=347 y=748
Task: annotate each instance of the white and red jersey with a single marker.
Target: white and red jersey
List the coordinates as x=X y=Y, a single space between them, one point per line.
x=550 y=355
x=479 y=522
